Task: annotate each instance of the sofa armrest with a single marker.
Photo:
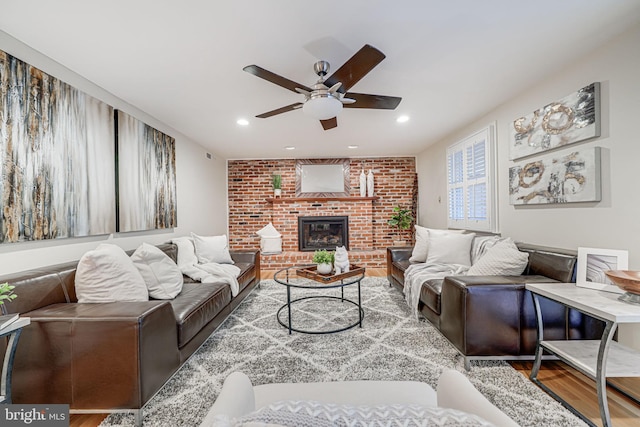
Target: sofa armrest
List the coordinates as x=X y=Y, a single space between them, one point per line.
x=455 y=391
x=399 y=253
x=96 y=356
x=481 y=315
x=396 y=255
x=250 y=256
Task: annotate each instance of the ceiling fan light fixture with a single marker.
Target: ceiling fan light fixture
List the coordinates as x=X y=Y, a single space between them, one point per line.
x=322 y=106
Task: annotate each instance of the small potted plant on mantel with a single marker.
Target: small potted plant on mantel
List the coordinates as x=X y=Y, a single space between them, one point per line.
x=324 y=261
x=276 y=180
x=401 y=219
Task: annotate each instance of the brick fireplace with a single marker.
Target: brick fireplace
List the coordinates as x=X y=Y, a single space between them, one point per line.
x=252 y=206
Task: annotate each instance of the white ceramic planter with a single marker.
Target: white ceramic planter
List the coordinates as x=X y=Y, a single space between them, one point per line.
x=277 y=192
x=325 y=268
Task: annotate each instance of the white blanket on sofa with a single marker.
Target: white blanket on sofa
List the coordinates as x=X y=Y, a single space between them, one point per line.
x=205 y=273
x=417 y=274
x=213 y=272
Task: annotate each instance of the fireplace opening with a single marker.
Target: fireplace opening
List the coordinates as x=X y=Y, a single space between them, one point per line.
x=322 y=232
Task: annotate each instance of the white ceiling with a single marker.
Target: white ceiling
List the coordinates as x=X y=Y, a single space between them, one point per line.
x=181 y=61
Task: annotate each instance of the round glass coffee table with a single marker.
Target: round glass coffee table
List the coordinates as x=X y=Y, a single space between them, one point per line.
x=305 y=277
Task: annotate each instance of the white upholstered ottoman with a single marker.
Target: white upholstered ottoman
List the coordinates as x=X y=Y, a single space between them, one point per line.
x=239 y=397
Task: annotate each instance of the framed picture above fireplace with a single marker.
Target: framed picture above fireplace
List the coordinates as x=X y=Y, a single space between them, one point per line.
x=322 y=178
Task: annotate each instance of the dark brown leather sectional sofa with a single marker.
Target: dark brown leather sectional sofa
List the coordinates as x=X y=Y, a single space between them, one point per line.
x=492 y=317
x=111 y=356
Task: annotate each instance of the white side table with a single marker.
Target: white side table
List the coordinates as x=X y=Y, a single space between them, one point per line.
x=13 y=331
x=596 y=359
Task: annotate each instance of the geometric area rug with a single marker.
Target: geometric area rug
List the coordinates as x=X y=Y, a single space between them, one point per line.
x=391 y=345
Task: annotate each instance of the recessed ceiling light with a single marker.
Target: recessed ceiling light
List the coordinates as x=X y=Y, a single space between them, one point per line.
x=352 y=146
x=290 y=147
x=243 y=122
x=402 y=119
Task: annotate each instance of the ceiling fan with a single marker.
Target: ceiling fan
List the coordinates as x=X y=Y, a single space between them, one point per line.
x=325 y=99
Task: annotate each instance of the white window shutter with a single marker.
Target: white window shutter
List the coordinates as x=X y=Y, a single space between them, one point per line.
x=471 y=182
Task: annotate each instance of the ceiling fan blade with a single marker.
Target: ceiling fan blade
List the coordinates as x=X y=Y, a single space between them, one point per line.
x=329 y=123
x=280 y=110
x=274 y=78
x=379 y=102
x=347 y=101
x=355 y=68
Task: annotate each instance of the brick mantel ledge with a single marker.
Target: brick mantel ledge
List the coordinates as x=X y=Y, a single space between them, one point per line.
x=318 y=199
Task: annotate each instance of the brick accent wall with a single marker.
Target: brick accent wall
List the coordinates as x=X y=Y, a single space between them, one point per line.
x=249 y=184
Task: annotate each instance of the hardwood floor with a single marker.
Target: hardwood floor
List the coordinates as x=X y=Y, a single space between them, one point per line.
x=565 y=381
x=579 y=390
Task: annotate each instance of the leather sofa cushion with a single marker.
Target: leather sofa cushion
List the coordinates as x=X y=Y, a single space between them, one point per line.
x=197 y=305
x=430 y=294
x=555 y=266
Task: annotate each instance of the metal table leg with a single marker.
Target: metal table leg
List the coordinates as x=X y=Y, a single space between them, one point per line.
x=7 y=366
x=538 y=360
x=289 y=306
x=601 y=372
x=360 y=311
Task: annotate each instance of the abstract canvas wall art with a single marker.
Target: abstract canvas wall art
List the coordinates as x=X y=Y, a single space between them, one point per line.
x=572 y=119
x=558 y=178
x=57 y=167
x=146 y=176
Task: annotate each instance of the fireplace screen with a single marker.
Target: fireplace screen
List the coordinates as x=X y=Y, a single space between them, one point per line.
x=322 y=232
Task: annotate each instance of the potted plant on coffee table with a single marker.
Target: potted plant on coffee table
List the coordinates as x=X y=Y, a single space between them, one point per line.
x=401 y=220
x=324 y=261
x=276 y=181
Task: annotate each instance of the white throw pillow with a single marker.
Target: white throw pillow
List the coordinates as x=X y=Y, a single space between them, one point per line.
x=107 y=274
x=502 y=259
x=421 y=248
x=268 y=231
x=481 y=244
x=161 y=275
x=450 y=248
x=186 y=252
x=212 y=249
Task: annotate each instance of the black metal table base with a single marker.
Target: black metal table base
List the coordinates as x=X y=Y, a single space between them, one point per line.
x=341 y=298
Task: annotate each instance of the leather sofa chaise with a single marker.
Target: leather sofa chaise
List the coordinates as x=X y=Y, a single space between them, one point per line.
x=110 y=357
x=492 y=317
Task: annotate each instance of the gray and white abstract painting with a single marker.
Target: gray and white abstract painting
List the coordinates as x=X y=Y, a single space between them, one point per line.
x=558 y=178
x=57 y=167
x=146 y=176
x=572 y=119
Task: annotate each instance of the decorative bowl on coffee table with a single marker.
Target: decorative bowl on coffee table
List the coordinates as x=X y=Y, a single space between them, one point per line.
x=628 y=281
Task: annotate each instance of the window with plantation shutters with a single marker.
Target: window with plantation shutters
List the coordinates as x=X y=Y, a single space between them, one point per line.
x=471 y=182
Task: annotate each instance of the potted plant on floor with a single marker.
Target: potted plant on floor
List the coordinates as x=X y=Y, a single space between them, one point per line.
x=276 y=180
x=401 y=220
x=324 y=261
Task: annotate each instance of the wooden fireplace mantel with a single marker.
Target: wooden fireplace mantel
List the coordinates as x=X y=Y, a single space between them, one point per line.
x=318 y=199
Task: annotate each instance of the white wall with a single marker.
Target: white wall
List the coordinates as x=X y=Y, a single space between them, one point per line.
x=201 y=184
x=612 y=223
